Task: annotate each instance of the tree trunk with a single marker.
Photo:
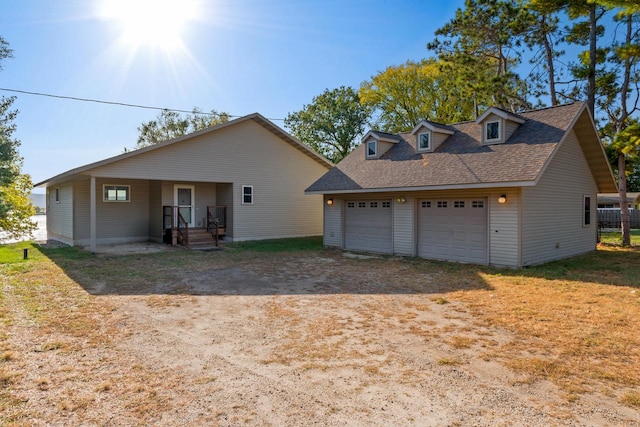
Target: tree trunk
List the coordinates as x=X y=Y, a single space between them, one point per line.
x=625 y=222
x=548 y=48
x=593 y=32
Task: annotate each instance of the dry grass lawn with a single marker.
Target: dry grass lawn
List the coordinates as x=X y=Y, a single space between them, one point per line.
x=239 y=337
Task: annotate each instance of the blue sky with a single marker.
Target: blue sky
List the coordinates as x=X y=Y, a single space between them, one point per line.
x=239 y=56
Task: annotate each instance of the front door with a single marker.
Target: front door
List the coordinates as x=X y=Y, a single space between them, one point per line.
x=184 y=200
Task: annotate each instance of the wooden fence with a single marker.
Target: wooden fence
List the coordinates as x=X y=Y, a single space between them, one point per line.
x=610 y=218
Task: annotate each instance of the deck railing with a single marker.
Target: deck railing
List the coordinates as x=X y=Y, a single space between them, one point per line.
x=172 y=219
x=217 y=221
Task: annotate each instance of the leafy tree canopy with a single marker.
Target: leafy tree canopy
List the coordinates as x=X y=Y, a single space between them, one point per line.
x=170 y=124
x=15 y=206
x=332 y=124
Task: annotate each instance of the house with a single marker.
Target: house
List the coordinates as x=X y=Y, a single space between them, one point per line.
x=245 y=177
x=506 y=189
x=612 y=200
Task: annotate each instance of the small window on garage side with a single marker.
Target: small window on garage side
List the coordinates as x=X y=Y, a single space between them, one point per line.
x=247 y=194
x=58 y=195
x=116 y=193
x=373 y=204
x=351 y=204
x=386 y=204
x=587 y=210
x=362 y=204
x=477 y=204
x=426 y=204
x=442 y=204
x=458 y=204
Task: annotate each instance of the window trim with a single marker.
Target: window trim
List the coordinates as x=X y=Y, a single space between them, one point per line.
x=117 y=187
x=375 y=148
x=243 y=194
x=57 y=194
x=488 y=140
x=429 y=141
x=586 y=211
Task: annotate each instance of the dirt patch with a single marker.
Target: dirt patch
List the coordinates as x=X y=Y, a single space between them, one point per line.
x=293 y=339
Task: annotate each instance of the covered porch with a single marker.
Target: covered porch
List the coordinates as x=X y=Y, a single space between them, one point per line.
x=174 y=212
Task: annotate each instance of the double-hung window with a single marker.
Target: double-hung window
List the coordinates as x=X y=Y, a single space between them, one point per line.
x=247 y=194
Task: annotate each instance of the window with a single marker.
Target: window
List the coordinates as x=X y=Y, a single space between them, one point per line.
x=116 y=193
x=247 y=194
x=458 y=204
x=587 y=210
x=425 y=204
x=492 y=131
x=362 y=204
x=372 y=148
x=424 y=141
x=351 y=204
x=442 y=204
x=57 y=195
x=373 y=204
x=386 y=204
x=477 y=204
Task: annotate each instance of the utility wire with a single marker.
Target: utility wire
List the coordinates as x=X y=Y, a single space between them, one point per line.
x=121 y=104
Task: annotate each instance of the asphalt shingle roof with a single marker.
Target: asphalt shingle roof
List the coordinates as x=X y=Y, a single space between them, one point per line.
x=461 y=160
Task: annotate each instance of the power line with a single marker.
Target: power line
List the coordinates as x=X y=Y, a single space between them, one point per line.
x=121 y=104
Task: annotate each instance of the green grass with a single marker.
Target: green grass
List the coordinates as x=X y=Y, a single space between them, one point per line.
x=14 y=252
x=279 y=245
x=615 y=238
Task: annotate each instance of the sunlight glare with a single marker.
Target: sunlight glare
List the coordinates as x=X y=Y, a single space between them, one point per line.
x=154 y=23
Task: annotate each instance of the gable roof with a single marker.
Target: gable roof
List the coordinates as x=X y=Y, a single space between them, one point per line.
x=256 y=117
x=502 y=114
x=464 y=162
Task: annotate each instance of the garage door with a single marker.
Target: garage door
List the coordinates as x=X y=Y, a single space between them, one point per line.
x=368 y=226
x=453 y=230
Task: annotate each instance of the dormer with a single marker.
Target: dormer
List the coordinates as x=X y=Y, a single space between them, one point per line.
x=430 y=135
x=498 y=125
x=378 y=143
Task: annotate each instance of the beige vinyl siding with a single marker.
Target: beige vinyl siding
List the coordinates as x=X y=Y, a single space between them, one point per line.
x=244 y=154
x=81 y=211
x=333 y=223
x=205 y=194
x=437 y=139
x=60 y=215
x=509 y=128
x=553 y=209
x=504 y=249
x=118 y=222
x=404 y=226
x=224 y=197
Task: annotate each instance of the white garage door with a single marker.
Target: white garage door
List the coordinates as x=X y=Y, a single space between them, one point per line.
x=453 y=230
x=368 y=226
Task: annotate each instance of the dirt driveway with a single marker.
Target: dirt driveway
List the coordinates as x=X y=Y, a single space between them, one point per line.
x=325 y=338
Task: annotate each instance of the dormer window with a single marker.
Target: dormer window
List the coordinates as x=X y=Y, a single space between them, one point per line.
x=424 y=141
x=372 y=148
x=493 y=131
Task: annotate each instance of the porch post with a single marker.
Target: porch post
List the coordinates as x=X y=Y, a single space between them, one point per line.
x=92 y=213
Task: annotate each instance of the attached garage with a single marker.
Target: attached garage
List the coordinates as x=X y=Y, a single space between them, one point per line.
x=368 y=226
x=453 y=230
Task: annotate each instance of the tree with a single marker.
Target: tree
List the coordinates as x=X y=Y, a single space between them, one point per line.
x=480 y=46
x=542 y=37
x=15 y=206
x=170 y=124
x=404 y=95
x=332 y=124
x=618 y=99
